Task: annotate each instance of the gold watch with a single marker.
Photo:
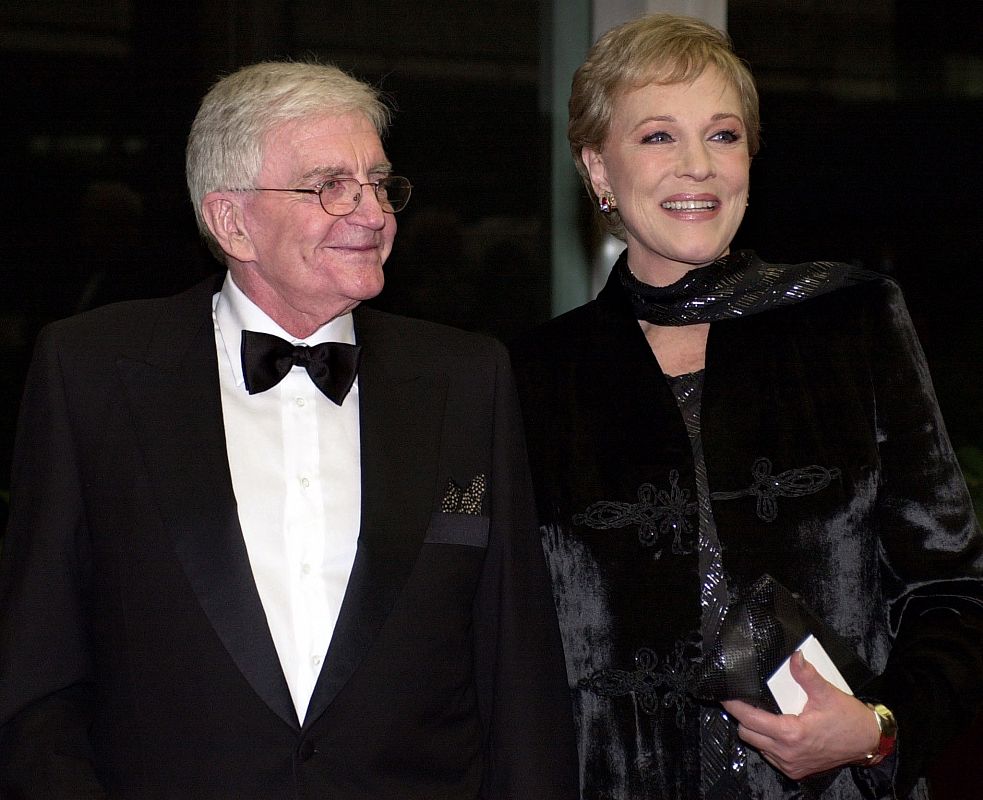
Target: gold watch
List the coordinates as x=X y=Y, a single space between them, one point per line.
x=888 y=727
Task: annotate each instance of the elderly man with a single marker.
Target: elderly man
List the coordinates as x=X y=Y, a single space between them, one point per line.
x=264 y=542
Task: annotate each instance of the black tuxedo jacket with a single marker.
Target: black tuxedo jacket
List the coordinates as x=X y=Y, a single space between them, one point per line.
x=135 y=658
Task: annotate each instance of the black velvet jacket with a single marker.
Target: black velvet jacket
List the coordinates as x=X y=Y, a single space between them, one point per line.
x=829 y=468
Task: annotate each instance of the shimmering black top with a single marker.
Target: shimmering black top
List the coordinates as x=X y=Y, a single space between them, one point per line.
x=723 y=758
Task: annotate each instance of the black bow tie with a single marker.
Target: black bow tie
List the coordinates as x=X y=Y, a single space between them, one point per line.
x=266 y=359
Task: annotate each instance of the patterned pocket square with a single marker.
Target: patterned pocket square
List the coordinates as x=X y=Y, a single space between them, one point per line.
x=464 y=501
x=460 y=520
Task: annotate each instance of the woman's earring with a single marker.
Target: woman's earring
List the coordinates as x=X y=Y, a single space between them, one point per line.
x=605 y=202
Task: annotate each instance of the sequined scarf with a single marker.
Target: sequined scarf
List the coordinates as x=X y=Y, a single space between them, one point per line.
x=735 y=285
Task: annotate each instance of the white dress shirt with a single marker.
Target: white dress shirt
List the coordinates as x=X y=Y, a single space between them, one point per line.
x=295 y=464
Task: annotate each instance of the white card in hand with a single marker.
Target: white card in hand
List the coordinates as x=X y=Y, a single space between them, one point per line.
x=791 y=697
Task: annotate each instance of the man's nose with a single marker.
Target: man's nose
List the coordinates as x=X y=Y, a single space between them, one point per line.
x=368 y=211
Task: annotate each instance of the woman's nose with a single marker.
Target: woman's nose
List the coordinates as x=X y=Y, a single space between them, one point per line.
x=695 y=161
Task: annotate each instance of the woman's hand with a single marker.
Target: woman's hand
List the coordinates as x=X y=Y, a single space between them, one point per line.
x=833 y=729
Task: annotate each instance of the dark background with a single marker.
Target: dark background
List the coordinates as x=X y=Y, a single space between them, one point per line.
x=872 y=153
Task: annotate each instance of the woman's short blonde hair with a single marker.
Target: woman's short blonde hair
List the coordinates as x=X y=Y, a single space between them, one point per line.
x=659 y=48
x=225 y=147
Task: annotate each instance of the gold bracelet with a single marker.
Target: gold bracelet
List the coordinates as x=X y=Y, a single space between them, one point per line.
x=888 y=727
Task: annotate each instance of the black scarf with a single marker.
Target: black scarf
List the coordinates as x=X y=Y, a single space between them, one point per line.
x=735 y=285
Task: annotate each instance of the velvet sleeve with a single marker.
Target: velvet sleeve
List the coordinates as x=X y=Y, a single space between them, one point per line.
x=45 y=671
x=523 y=697
x=931 y=552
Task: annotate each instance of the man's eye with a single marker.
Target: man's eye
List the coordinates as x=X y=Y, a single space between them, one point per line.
x=333 y=188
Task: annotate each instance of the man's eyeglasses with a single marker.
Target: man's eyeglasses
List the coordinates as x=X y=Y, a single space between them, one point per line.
x=341 y=196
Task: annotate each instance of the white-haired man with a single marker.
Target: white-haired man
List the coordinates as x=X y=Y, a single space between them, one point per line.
x=266 y=543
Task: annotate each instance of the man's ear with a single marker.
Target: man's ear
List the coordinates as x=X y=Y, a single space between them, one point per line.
x=225 y=219
x=594 y=161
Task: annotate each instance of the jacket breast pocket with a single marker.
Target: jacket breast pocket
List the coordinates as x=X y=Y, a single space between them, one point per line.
x=470 y=530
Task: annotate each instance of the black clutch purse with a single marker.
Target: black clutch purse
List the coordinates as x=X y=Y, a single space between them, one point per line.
x=759 y=631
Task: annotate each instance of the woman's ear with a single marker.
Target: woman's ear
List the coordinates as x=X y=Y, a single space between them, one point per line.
x=225 y=219
x=594 y=161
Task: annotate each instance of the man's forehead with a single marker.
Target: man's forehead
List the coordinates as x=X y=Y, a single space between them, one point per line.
x=325 y=143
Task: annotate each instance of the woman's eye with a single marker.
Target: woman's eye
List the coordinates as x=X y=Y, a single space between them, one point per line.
x=726 y=136
x=659 y=137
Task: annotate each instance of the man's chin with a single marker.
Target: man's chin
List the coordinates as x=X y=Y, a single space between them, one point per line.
x=371 y=288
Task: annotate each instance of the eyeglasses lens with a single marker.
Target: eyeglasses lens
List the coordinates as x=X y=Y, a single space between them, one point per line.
x=341 y=196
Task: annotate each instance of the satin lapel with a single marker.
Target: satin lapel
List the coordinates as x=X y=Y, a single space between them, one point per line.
x=401 y=401
x=177 y=410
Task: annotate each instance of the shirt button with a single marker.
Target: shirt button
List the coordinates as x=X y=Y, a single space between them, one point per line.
x=316 y=660
x=306 y=569
x=305 y=482
x=300 y=401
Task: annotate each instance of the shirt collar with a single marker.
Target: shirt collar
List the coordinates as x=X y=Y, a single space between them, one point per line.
x=234 y=312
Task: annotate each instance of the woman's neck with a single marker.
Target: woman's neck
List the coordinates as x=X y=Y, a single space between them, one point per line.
x=679 y=349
